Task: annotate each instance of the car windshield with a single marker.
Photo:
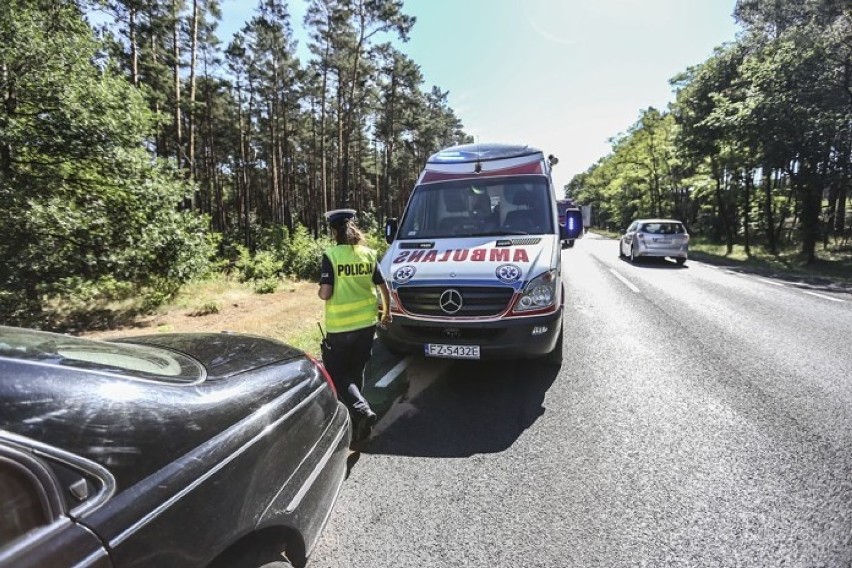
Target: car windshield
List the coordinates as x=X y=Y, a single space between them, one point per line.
x=479 y=207
x=663 y=228
x=138 y=361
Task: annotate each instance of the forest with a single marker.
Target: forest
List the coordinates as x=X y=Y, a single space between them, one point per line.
x=756 y=149
x=139 y=150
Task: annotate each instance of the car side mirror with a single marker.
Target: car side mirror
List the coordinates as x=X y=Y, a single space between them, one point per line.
x=573 y=226
x=391 y=227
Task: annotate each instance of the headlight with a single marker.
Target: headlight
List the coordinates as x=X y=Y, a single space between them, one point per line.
x=539 y=293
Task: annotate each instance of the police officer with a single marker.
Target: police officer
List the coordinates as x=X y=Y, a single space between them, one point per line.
x=349 y=276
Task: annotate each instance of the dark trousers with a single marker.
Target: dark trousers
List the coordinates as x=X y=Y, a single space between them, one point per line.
x=345 y=356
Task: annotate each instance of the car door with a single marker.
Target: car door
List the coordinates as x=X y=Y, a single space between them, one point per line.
x=627 y=239
x=35 y=529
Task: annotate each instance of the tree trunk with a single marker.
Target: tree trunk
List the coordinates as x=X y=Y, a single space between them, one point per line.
x=348 y=122
x=811 y=203
x=323 y=157
x=809 y=189
x=340 y=193
x=723 y=211
x=242 y=175
x=10 y=104
x=833 y=191
x=840 y=218
x=160 y=148
x=389 y=144
x=747 y=183
x=176 y=78
x=191 y=110
x=768 y=211
x=783 y=214
x=134 y=47
x=272 y=167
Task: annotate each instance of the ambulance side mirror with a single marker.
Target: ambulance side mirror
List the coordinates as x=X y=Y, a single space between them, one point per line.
x=391 y=226
x=573 y=226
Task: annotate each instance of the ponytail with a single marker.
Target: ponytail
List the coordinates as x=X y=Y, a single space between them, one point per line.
x=348 y=234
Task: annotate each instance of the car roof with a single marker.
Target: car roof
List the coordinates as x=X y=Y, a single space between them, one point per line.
x=658 y=221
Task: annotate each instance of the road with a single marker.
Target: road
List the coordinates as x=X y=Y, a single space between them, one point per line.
x=701 y=418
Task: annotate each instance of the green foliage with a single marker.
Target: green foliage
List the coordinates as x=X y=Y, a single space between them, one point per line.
x=266 y=286
x=643 y=177
x=83 y=202
x=207 y=308
x=304 y=254
x=756 y=149
x=259 y=266
x=296 y=255
x=373 y=230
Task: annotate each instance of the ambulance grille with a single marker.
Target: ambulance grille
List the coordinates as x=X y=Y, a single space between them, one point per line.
x=477 y=301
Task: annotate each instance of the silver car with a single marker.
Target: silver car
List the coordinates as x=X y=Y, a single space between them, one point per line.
x=654 y=238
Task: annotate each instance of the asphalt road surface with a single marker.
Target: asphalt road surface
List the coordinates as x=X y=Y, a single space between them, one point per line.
x=701 y=417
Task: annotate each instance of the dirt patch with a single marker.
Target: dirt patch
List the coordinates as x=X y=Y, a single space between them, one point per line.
x=288 y=314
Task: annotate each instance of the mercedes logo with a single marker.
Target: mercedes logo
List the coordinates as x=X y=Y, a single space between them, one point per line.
x=450 y=301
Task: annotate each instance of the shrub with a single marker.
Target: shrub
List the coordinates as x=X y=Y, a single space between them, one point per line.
x=262 y=265
x=304 y=253
x=293 y=253
x=205 y=309
x=266 y=286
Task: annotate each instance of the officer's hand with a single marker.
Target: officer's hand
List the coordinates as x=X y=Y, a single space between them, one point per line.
x=386 y=319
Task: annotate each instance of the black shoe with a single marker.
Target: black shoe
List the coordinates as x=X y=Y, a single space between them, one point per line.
x=361 y=429
x=360 y=406
x=368 y=416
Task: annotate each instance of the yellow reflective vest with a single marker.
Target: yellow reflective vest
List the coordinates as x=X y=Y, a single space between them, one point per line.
x=353 y=303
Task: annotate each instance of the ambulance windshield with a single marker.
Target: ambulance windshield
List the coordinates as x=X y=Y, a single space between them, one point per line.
x=519 y=205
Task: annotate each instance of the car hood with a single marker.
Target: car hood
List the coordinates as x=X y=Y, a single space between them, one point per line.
x=222 y=354
x=510 y=261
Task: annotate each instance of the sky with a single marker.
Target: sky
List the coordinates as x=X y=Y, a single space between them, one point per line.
x=565 y=76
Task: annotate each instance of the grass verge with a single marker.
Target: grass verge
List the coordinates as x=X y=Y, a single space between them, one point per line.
x=289 y=314
x=834 y=264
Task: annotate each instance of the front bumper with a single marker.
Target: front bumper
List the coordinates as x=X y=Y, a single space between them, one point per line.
x=508 y=338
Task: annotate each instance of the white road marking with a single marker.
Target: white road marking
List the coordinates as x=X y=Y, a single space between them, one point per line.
x=771 y=282
x=625 y=281
x=822 y=296
x=391 y=375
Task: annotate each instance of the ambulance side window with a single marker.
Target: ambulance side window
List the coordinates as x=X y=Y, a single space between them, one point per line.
x=423 y=221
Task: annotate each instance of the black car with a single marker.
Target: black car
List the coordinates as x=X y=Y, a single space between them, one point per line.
x=165 y=450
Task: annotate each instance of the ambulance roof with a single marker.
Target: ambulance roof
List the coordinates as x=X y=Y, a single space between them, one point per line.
x=469 y=153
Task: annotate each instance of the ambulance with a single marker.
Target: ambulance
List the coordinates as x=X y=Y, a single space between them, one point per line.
x=474 y=265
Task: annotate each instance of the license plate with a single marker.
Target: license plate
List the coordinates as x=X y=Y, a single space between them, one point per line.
x=452 y=351
x=663 y=241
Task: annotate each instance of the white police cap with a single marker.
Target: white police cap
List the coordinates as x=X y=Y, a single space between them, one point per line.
x=337 y=216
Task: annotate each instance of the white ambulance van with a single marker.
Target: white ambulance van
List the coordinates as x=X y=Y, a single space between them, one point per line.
x=474 y=265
